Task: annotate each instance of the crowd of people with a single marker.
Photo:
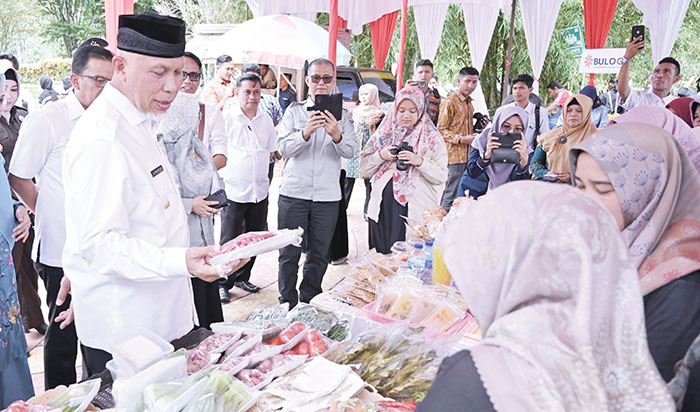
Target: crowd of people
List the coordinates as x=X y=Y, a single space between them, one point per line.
x=591 y=297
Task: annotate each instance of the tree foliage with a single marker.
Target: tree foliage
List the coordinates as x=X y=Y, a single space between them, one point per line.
x=12 y=28
x=204 y=11
x=70 y=22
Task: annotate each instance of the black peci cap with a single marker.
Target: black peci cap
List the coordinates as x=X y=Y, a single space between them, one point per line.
x=152 y=35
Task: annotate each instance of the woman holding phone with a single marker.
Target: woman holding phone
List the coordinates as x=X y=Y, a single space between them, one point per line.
x=509 y=119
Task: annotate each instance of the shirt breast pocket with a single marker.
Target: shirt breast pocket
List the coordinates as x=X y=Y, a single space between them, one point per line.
x=163 y=188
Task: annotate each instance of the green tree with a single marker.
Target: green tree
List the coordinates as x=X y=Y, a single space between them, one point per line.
x=70 y=22
x=13 y=29
x=204 y=11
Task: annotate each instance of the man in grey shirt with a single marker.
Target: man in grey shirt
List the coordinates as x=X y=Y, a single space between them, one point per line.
x=312 y=143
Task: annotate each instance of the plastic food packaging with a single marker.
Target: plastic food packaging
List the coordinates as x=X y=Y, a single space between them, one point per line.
x=242 y=345
x=234 y=364
x=289 y=337
x=391 y=406
x=253 y=244
x=197 y=359
x=174 y=396
x=253 y=378
x=77 y=397
x=219 y=342
x=261 y=351
x=230 y=394
x=314 y=344
x=139 y=351
x=262 y=320
x=278 y=365
x=22 y=406
x=128 y=392
x=314 y=317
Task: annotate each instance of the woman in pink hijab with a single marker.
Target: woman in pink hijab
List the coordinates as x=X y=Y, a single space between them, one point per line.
x=642 y=175
x=559 y=305
x=664 y=119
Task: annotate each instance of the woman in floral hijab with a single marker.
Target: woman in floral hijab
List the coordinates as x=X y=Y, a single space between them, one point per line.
x=399 y=191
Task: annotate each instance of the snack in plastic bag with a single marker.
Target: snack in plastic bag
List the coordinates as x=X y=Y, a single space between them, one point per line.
x=77 y=397
x=444 y=316
x=316 y=318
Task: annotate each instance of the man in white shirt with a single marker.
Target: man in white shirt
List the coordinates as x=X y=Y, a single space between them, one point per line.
x=251 y=139
x=313 y=143
x=521 y=87
x=39 y=154
x=666 y=74
x=126 y=249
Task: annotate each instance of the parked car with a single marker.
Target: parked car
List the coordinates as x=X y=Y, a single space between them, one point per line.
x=349 y=80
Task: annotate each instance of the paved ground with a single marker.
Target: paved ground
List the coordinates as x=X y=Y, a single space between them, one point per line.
x=264 y=275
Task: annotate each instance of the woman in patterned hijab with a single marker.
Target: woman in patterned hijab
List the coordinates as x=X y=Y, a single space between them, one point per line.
x=647 y=181
x=558 y=302
x=397 y=192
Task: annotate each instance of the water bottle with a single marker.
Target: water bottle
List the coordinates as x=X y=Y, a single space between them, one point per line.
x=429 y=255
x=416 y=260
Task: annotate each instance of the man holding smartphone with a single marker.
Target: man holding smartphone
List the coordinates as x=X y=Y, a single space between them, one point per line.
x=313 y=143
x=666 y=74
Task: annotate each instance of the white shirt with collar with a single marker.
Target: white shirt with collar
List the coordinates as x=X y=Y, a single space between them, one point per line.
x=312 y=168
x=126 y=229
x=214 y=130
x=39 y=154
x=639 y=98
x=250 y=142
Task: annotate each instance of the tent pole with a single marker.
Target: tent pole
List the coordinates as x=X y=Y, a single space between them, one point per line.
x=402 y=45
x=332 y=30
x=509 y=53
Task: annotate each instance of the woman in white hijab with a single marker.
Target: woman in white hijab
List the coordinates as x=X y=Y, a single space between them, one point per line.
x=558 y=302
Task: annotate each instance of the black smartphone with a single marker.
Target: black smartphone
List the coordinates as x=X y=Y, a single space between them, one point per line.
x=507 y=139
x=218 y=196
x=638 y=31
x=331 y=102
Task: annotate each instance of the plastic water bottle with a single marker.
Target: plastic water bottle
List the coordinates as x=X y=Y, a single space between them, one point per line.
x=429 y=255
x=416 y=260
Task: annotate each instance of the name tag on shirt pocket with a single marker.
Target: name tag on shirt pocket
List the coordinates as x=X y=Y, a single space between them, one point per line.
x=162 y=185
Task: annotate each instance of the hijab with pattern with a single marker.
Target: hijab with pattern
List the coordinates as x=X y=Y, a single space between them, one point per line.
x=663 y=118
x=556 y=143
x=500 y=173
x=558 y=303
x=423 y=136
x=367 y=112
x=659 y=192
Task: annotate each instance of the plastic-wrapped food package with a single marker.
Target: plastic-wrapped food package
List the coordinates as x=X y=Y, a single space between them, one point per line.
x=252 y=378
x=252 y=244
x=260 y=321
x=22 y=406
x=219 y=342
x=173 y=396
x=242 y=345
x=198 y=359
x=77 y=397
x=128 y=392
x=391 y=406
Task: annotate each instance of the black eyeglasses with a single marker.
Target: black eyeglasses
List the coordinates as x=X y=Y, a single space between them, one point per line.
x=326 y=79
x=99 y=80
x=194 y=76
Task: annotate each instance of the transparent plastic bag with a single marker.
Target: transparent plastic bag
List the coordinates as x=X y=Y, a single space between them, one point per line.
x=253 y=244
x=77 y=397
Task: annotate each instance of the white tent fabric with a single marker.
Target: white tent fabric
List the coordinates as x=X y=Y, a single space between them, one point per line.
x=307 y=16
x=664 y=19
x=479 y=20
x=430 y=19
x=539 y=18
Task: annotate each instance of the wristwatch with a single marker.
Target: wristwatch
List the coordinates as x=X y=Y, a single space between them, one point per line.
x=625 y=60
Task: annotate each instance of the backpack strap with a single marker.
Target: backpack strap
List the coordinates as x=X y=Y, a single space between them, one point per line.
x=200 y=132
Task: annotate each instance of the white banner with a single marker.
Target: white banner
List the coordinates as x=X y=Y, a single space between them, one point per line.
x=601 y=60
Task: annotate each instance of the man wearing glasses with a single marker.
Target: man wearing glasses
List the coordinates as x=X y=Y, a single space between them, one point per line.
x=313 y=143
x=39 y=154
